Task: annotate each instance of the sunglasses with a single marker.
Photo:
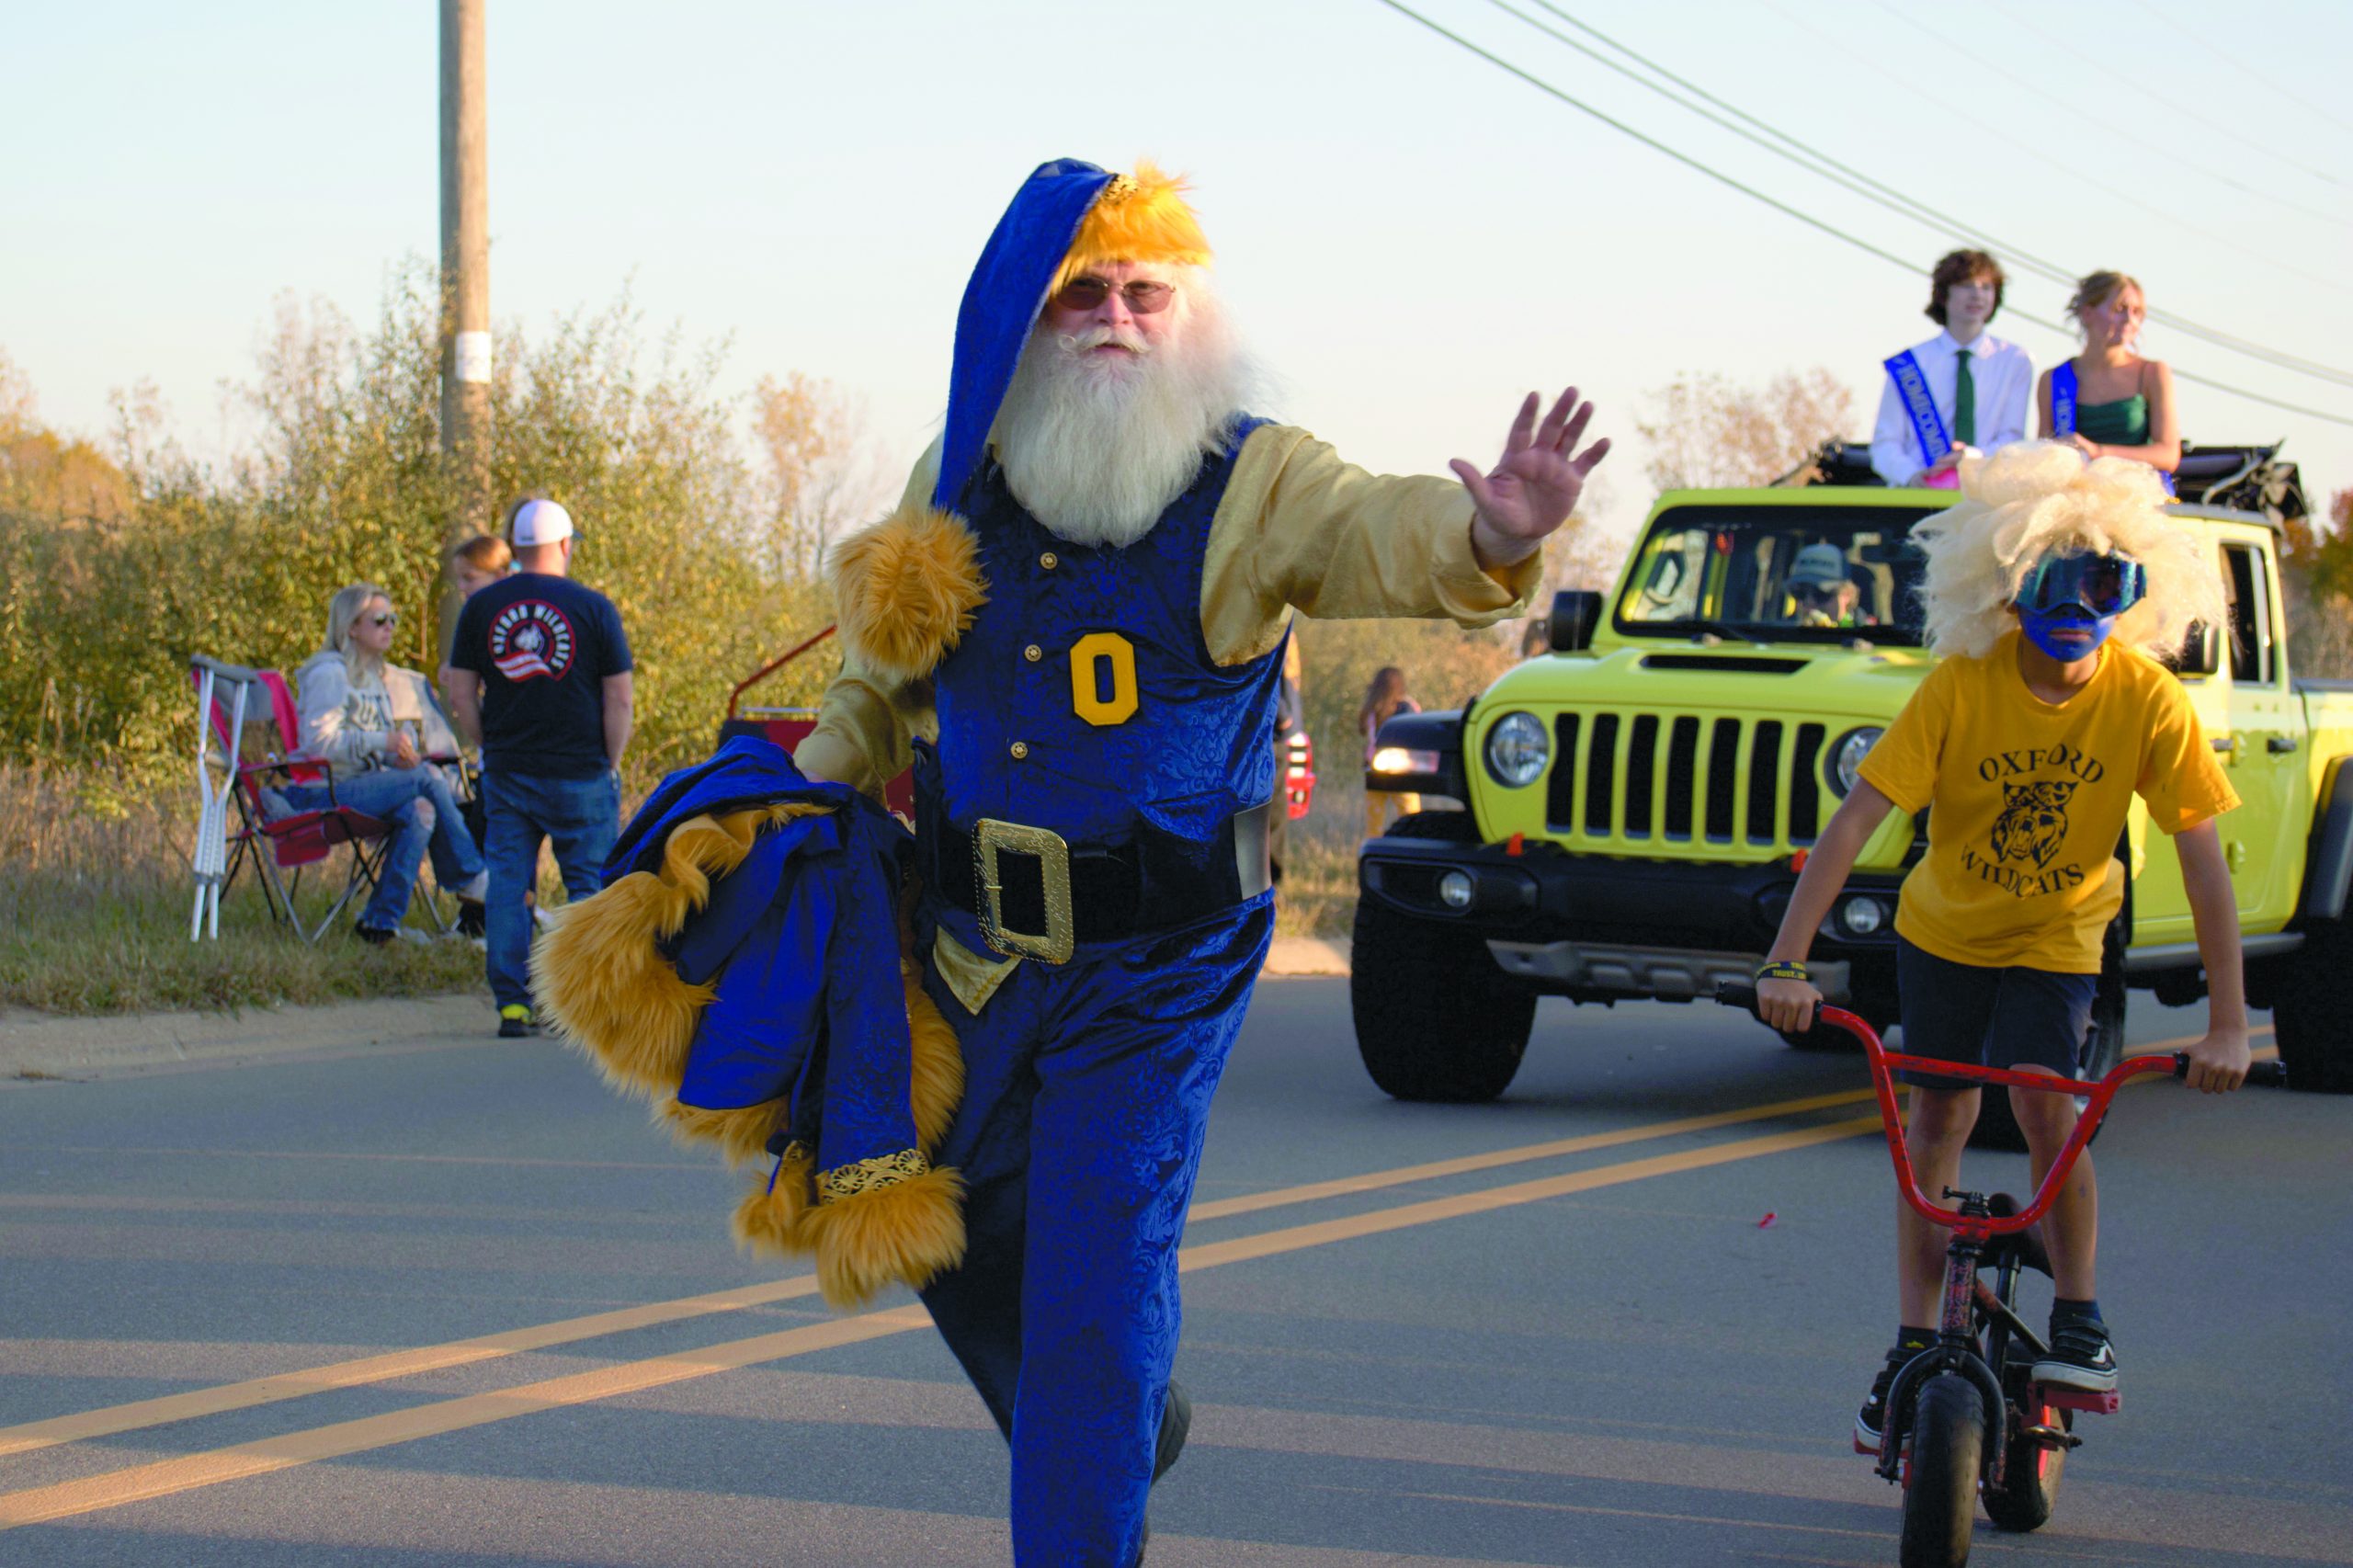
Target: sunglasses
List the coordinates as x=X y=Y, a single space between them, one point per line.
x=391 y=618
x=1143 y=297
x=2099 y=585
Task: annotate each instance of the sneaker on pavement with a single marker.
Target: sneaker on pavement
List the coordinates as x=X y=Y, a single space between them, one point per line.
x=516 y=1023
x=1871 y=1420
x=2081 y=1356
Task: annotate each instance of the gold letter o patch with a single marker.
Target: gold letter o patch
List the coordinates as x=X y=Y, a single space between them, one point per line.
x=1085 y=683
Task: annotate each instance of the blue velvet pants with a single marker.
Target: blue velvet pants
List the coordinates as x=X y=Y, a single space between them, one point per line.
x=1086 y=1097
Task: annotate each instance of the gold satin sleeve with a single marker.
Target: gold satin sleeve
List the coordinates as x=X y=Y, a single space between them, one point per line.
x=1298 y=527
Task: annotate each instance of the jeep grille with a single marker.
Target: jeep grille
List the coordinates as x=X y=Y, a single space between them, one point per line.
x=1655 y=781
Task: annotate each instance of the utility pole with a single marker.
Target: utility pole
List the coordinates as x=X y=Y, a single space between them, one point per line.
x=465 y=279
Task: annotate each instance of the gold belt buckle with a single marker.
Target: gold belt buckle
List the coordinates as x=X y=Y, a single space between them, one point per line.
x=991 y=836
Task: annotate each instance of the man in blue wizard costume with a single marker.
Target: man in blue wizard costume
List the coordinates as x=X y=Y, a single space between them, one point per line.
x=1073 y=627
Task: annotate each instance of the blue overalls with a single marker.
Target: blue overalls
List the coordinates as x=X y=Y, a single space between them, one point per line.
x=1088 y=1081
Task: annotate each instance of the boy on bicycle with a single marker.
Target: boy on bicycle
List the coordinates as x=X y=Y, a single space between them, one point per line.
x=2047 y=591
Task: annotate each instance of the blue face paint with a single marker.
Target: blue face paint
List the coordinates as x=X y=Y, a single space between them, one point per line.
x=2039 y=626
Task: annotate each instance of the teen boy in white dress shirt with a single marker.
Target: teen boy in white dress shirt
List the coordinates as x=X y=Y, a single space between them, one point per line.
x=1981 y=385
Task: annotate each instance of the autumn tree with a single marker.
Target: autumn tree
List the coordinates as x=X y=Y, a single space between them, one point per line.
x=2316 y=577
x=1705 y=432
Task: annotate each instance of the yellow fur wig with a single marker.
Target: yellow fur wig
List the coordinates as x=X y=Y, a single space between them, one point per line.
x=611 y=995
x=1142 y=217
x=2035 y=497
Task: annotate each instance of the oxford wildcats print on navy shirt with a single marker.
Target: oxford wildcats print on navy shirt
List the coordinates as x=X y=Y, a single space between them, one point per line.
x=543 y=646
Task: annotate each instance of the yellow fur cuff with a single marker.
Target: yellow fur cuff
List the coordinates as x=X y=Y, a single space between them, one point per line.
x=905 y=591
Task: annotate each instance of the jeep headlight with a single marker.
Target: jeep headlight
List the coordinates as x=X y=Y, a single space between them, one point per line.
x=1518 y=749
x=1847 y=759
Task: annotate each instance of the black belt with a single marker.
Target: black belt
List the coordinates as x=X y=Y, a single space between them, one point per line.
x=1036 y=895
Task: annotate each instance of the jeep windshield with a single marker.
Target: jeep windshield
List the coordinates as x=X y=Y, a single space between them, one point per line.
x=1776 y=574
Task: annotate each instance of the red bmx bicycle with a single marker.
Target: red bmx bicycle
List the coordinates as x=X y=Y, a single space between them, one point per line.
x=1966 y=1422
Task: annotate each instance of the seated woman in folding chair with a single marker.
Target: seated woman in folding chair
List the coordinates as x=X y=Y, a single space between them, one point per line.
x=349 y=724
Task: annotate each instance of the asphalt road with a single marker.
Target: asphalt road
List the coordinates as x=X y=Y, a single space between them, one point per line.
x=436 y=1303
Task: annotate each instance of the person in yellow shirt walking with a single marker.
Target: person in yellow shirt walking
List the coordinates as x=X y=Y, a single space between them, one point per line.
x=2050 y=591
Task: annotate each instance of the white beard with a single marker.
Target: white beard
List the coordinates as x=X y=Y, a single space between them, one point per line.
x=1096 y=448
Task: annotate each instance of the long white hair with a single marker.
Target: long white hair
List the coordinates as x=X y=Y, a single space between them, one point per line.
x=1097 y=452
x=2035 y=497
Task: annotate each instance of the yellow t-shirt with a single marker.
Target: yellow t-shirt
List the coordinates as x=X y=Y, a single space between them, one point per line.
x=2029 y=798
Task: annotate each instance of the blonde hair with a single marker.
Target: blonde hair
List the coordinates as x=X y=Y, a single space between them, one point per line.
x=2095 y=289
x=343 y=612
x=2035 y=498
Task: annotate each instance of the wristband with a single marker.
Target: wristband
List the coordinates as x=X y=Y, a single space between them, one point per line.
x=1782 y=969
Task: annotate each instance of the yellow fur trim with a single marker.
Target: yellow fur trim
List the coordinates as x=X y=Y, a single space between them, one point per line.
x=939 y=1066
x=773 y=1219
x=905 y=1234
x=600 y=975
x=1143 y=216
x=742 y=1136
x=905 y=590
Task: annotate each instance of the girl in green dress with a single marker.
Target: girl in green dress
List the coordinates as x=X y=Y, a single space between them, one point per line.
x=2108 y=402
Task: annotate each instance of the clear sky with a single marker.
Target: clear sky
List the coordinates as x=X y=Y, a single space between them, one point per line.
x=1410 y=237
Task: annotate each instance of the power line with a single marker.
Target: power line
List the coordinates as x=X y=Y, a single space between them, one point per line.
x=2171 y=217
x=2174 y=105
x=1878 y=192
x=1808 y=219
x=1945 y=40
x=2205 y=43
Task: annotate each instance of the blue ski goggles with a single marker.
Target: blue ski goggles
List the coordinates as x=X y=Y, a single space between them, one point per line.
x=2099 y=585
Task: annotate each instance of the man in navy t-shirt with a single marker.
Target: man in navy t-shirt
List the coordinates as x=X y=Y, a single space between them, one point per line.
x=540 y=673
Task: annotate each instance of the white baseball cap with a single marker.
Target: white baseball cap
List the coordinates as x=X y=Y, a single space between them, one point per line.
x=540 y=522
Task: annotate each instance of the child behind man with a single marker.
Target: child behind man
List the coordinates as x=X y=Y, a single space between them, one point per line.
x=2048 y=590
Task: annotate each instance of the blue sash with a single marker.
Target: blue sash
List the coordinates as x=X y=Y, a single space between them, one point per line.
x=2063 y=411
x=1928 y=425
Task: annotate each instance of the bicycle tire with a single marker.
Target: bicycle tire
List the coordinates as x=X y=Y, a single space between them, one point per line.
x=1940 y=1481
x=2030 y=1473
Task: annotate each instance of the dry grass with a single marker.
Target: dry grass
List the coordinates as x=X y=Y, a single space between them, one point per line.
x=93 y=913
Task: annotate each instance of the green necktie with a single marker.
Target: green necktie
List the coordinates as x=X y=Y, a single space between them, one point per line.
x=1964 y=403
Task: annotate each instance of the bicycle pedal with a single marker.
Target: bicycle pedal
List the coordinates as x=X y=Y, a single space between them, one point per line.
x=2093 y=1402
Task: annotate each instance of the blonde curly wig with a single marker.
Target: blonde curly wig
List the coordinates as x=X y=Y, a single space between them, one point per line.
x=2036 y=498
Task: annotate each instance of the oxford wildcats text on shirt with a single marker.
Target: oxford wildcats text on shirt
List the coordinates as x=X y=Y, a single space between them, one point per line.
x=543 y=646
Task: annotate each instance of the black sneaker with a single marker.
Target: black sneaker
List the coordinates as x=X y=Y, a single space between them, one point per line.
x=516 y=1023
x=2081 y=1356
x=1871 y=1420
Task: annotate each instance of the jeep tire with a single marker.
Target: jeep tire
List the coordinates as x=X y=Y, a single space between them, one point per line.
x=2308 y=1011
x=1436 y=1020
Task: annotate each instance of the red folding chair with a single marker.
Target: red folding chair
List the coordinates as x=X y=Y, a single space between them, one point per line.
x=280 y=843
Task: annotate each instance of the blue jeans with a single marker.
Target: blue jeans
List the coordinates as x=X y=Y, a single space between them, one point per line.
x=393 y=795
x=579 y=818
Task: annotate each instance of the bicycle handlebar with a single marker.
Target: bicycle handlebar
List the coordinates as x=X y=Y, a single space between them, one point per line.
x=1834 y=1025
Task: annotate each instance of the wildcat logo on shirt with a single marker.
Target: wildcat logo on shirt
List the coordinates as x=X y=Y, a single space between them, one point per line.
x=2031 y=830
x=529 y=639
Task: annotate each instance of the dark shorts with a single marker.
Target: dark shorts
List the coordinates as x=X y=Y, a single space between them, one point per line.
x=2013 y=1016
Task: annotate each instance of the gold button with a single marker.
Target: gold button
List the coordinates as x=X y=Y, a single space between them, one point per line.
x=1020 y=750
x=1033 y=652
x=1048 y=560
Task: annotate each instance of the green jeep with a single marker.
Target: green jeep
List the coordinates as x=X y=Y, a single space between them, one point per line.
x=1636 y=801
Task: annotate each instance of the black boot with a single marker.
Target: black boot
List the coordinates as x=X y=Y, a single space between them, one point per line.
x=1175 y=1421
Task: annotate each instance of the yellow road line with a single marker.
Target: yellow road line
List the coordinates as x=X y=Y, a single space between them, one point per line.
x=166 y=1477
x=188 y=1472
x=197 y=1403
x=383 y=1369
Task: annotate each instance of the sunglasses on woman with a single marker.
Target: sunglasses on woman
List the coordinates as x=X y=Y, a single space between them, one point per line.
x=1143 y=297
x=389 y=617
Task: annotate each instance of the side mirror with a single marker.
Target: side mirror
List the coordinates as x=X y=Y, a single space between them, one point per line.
x=1576 y=613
